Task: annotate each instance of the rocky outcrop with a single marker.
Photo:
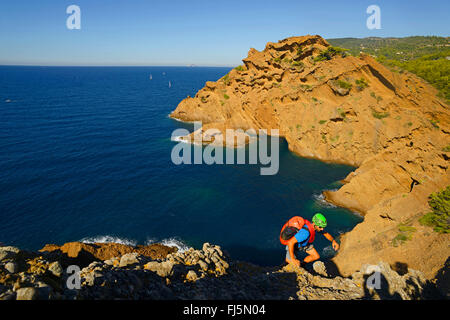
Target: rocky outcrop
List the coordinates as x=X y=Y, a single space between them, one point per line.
x=344 y=109
x=84 y=253
x=199 y=274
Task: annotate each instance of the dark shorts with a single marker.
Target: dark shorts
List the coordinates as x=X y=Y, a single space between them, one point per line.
x=298 y=248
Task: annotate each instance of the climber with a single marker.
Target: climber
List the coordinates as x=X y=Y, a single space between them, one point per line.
x=299 y=234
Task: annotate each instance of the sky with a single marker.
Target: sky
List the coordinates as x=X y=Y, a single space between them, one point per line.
x=199 y=32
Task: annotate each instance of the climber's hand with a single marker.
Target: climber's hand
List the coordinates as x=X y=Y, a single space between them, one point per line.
x=296 y=262
x=335 y=245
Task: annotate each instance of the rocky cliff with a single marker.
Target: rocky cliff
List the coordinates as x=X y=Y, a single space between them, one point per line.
x=345 y=109
x=158 y=272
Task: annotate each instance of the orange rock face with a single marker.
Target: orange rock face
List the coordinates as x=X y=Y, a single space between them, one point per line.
x=349 y=110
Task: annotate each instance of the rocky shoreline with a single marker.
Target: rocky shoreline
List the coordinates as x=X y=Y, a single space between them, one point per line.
x=120 y=272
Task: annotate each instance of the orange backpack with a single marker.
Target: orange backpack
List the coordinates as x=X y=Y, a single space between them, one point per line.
x=294 y=225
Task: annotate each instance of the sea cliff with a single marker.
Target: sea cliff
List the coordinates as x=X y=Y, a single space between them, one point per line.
x=335 y=107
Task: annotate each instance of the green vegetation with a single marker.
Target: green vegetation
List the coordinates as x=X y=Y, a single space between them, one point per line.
x=330 y=53
x=361 y=84
x=276 y=85
x=322 y=121
x=426 y=57
x=380 y=115
x=290 y=62
x=434 y=68
x=344 y=84
x=333 y=139
x=405 y=233
x=203 y=99
x=240 y=68
x=305 y=86
x=226 y=79
x=341 y=112
x=373 y=95
x=298 y=64
x=434 y=123
x=409 y=47
x=439 y=218
x=446 y=149
x=226 y=96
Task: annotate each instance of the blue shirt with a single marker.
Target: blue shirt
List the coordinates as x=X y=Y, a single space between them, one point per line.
x=302 y=237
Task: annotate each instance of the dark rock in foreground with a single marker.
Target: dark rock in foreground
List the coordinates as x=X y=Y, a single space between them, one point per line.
x=164 y=273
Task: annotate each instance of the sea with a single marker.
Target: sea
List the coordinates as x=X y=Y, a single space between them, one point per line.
x=85 y=155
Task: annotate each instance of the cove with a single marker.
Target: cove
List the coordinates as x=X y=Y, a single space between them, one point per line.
x=86 y=155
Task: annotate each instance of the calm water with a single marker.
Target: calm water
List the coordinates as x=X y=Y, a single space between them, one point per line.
x=85 y=155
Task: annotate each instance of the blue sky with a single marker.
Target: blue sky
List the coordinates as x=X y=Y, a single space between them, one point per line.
x=153 y=32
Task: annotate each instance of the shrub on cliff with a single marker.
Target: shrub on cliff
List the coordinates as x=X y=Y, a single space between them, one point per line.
x=344 y=84
x=439 y=218
x=226 y=79
x=330 y=53
x=380 y=115
x=361 y=84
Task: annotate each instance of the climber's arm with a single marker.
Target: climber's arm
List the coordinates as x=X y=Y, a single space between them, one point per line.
x=331 y=239
x=291 y=245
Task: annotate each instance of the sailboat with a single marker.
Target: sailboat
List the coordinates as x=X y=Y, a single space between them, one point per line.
x=170 y=84
x=151 y=77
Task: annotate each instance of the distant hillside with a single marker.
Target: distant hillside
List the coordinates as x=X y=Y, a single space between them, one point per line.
x=427 y=57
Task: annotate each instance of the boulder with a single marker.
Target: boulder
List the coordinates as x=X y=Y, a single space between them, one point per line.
x=27 y=294
x=129 y=259
x=12 y=267
x=8 y=252
x=191 y=276
x=203 y=265
x=163 y=269
x=320 y=268
x=56 y=269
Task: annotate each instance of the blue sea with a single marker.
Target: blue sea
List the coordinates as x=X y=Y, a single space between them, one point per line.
x=85 y=155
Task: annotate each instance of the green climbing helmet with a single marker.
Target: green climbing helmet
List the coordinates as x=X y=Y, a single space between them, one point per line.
x=319 y=220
